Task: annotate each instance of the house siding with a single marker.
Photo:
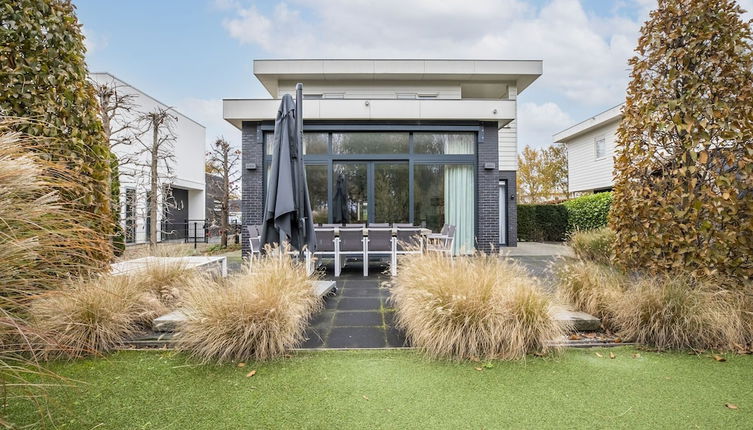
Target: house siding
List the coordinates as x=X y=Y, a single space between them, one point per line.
x=585 y=172
x=508 y=146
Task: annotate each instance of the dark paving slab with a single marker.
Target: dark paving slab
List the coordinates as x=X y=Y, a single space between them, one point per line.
x=358 y=319
x=395 y=338
x=357 y=337
x=314 y=338
x=540 y=267
x=359 y=303
x=361 y=292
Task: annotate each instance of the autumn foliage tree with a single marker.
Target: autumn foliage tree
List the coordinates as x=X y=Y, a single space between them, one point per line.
x=683 y=196
x=542 y=174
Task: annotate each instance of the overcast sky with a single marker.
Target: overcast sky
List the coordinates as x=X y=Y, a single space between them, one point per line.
x=192 y=53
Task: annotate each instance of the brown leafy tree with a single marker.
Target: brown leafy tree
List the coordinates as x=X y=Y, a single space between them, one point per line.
x=222 y=160
x=683 y=195
x=542 y=174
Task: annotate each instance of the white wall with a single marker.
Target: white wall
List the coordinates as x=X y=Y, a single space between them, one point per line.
x=585 y=172
x=374 y=89
x=187 y=165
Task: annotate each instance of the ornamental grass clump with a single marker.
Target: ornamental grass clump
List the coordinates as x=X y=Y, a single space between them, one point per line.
x=591 y=287
x=478 y=306
x=161 y=285
x=89 y=316
x=680 y=312
x=258 y=314
x=593 y=245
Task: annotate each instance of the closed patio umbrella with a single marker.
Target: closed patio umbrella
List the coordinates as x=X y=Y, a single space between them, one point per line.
x=287 y=214
x=340 y=201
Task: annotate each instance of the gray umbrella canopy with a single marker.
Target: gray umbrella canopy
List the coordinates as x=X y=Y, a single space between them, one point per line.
x=340 y=201
x=287 y=214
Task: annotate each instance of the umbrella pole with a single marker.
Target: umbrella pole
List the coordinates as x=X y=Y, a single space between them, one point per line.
x=299 y=136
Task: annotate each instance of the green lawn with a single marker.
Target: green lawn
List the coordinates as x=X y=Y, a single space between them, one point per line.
x=400 y=389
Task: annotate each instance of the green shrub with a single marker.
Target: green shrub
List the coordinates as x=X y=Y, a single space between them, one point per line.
x=593 y=245
x=45 y=81
x=542 y=222
x=588 y=212
x=477 y=306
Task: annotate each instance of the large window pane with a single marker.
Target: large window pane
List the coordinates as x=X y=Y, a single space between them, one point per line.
x=443 y=194
x=316 y=178
x=391 y=192
x=444 y=143
x=370 y=143
x=315 y=143
x=269 y=142
x=350 y=194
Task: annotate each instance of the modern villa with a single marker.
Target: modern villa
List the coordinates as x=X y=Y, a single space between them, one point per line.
x=182 y=211
x=425 y=142
x=590 y=152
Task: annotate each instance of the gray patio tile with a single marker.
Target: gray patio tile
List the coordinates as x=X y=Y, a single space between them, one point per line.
x=357 y=319
x=356 y=337
x=359 y=304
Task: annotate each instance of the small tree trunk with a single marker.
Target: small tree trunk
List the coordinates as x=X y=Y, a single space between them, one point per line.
x=153 y=187
x=225 y=197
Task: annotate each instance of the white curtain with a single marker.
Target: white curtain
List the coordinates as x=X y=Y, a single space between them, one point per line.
x=459 y=195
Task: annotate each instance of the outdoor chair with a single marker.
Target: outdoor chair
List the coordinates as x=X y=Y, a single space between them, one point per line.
x=406 y=241
x=379 y=243
x=325 y=242
x=442 y=242
x=350 y=242
x=254 y=239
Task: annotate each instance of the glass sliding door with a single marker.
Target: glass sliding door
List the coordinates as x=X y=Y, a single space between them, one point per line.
x=316 y=178
x=444 y=194
x=391 y=190
x=350 y=202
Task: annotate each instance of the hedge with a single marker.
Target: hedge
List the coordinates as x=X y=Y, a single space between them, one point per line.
x=588 y=212
x=542 y=223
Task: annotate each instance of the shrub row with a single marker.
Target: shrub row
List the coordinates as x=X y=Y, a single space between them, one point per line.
x=542 y=223
x=588 y=212
x=554 y=222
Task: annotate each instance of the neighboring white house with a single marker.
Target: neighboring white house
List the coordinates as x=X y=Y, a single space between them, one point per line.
x=426 y=142
x=590 y=152
x=184 y=209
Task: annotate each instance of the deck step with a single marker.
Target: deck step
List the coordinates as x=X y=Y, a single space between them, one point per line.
x=578 y=321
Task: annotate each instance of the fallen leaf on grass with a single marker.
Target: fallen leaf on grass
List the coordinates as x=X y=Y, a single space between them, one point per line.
x=719 y=358
x=251 y=373
x=599 y=355
x=478 y=368
x=636 y=355
x=574 y=337
x=612 y=356
x=365 y=397
x=730 y=406
x=241 y=364
x=617 y=340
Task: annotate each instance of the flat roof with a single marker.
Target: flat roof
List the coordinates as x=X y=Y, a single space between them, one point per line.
x=598 y=120
x=522 y=72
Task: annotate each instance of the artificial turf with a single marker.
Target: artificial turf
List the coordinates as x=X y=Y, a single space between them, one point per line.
x=401 y=389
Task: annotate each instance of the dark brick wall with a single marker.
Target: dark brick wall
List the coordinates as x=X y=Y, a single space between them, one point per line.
x=512 y=207
x=252 y=180
x=487 y=192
